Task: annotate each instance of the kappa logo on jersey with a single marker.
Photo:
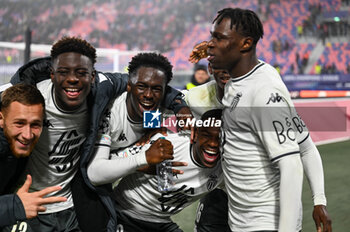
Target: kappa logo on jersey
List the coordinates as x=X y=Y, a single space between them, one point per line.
x=65 y=152
x=213 y=180
x=235 y=101
x=122 y=137
x=275 y=98
x=47 y=123
x=151 y=119
x=288 y=129
x=173 y=200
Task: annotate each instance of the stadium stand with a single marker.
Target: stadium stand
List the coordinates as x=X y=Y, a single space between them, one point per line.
x=173 y=27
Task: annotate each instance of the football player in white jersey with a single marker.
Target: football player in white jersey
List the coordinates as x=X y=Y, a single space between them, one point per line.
x=122 y=124
x=212 y=211
x=54 y=160
x=262 y=132
x=140 y=206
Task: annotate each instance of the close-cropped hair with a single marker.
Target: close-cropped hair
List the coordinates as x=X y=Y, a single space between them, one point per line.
x=73 y=44
x=23 y=93
x=215 y=113
x=151 y=59
x=246 y=21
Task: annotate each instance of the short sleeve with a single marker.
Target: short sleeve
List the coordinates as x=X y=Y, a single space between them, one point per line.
x=276 y=122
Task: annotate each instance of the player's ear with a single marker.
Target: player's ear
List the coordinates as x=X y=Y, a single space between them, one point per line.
x=52 y=76
x=210 y=69
x=247 y=44
x=1 y=120
x=128 y=87
x=195 y=134
x=93 y=75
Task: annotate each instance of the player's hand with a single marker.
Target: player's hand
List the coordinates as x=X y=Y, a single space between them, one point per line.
x=32 y=202
x=178 y=164
x=322 y=220
x=159 y=151
x=199 y=52
x=151 y=169
x=147 y=136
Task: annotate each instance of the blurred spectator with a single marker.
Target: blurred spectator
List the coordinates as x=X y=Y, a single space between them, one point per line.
x=300 y=30
x=318 y=69
x=199 y=77
x=304 y=61
x=277 y=67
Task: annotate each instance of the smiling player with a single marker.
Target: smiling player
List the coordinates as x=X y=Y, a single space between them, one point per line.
x=140 y=206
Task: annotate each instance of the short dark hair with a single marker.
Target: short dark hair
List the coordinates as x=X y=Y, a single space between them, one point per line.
x=73 y=44
x=246 y=21
x=151 y=59
x=215 y=113
x=23 y=93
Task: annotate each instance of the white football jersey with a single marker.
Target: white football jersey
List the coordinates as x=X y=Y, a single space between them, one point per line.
x=260 y=126
x=54 y=160
x=202 y=98
x=137 y=194
x=117 y=124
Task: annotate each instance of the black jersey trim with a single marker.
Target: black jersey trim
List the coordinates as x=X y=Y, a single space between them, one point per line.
x=132 y=121
x=249 y=73
x=308 y=134
x=102 y=145
x=286 y=154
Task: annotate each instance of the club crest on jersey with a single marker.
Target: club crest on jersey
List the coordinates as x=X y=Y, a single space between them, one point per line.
x=212 y=182
x=151 y=119
x=235 y=101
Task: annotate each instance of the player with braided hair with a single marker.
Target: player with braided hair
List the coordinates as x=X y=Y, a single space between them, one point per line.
x=236 y=19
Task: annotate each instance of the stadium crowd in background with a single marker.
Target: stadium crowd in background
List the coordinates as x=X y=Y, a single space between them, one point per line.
x=164 y=26
x=76 y=96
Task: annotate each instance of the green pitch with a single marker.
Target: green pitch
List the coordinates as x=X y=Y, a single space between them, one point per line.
x=336 y=164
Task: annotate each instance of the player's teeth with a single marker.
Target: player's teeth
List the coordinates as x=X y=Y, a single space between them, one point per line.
x=72 y=90
x=147 y=104
x=210 y=152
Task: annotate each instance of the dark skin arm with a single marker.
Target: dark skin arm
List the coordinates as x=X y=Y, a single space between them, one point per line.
x=322 y=220
x=159 y=151
x=148 y=135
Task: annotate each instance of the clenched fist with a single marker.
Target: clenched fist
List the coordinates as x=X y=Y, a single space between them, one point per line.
x=160 y=150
